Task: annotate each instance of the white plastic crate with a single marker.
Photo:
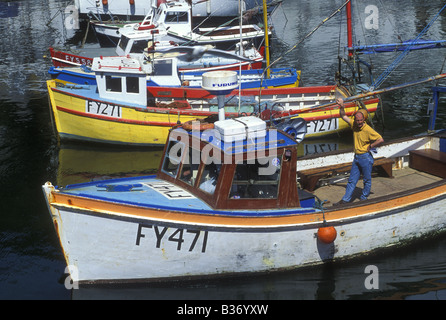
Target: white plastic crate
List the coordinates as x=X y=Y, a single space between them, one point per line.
x=241 y=128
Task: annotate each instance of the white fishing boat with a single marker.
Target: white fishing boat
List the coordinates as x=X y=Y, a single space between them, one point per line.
x=137 y=9
x=172 y=21
x=244 y=56
x=227 y=201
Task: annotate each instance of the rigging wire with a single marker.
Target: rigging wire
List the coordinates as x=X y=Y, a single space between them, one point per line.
x=309 y=34
x=298 y=43
x=379 y=81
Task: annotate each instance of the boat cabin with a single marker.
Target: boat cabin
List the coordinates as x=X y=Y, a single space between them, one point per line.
x=237 y=164
x=125 y=78
x=172 y=16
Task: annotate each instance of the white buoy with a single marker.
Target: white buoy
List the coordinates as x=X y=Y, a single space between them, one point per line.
x=220 y=83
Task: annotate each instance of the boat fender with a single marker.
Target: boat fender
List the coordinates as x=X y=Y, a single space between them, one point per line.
x=327 y=234
x=189 y=125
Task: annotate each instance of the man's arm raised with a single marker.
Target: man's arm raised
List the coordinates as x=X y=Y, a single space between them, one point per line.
x=344 y=117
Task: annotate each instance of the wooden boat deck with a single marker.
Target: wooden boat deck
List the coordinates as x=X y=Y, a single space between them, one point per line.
x=403 y=180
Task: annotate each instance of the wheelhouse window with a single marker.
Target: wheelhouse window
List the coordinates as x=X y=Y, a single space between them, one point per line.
x=138 y=46
x=209 y=177
x=163 y=67
x=123 y=43
x=113 y=84
x=132 y=84
x=176 y=17
x=257 y=179
x=172 y=158
x=189 y=169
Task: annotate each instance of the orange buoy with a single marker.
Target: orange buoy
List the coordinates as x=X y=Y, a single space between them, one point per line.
x=132 y=2
x=104 y=2
x=327 y=234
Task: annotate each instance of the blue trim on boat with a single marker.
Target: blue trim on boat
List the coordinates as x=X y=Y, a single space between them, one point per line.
x=275 y=80
x=142 y=193
x=94 y=183
x=247 y=145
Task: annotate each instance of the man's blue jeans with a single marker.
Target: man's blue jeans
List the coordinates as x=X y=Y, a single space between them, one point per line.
x=362 y=164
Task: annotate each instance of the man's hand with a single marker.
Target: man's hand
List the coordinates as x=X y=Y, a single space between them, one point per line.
x=340 y=102
x=375 y=144
x=342 y=114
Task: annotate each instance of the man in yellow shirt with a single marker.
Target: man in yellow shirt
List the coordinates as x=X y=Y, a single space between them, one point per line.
x=365 y=139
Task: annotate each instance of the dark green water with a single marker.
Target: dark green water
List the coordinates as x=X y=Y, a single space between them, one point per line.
x=31 y=262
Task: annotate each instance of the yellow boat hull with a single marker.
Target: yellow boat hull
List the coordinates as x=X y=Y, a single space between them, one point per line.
x=78 y=117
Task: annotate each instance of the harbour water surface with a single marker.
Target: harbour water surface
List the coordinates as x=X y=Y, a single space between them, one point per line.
x=31 y=263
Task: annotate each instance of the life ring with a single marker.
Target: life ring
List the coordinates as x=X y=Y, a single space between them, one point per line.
x=189 y=125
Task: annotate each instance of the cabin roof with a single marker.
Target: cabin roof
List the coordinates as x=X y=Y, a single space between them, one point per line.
x=176 y=6
x=274 y=139
x=125 y=64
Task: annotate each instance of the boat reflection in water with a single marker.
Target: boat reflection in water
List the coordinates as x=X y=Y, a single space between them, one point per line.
x=82 y=163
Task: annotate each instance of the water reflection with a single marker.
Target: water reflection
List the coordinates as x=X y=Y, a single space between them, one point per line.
x=81 y=163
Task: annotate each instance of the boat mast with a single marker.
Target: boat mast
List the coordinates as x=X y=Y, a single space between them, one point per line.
x=240 y=53
x=351 y=53
x=349 y=29
x=265 y=22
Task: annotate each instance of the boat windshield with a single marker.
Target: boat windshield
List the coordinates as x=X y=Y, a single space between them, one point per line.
x=158 y=13
x=256 y=179
x=189 y=169
x=176 y=17
x=209 y=177
x=123 y=42
x=172 y=158
x=163 y=67
x=138 y=46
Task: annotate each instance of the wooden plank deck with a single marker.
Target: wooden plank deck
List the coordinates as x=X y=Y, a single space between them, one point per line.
x=404 y=179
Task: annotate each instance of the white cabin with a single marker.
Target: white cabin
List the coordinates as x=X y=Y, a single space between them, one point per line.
x=125 y=78
x=172 y=16
x=122 y=78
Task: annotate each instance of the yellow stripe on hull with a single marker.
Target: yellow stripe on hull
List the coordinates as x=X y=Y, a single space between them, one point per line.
x=322 y=123
x=128 y=126
x=78 y=118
